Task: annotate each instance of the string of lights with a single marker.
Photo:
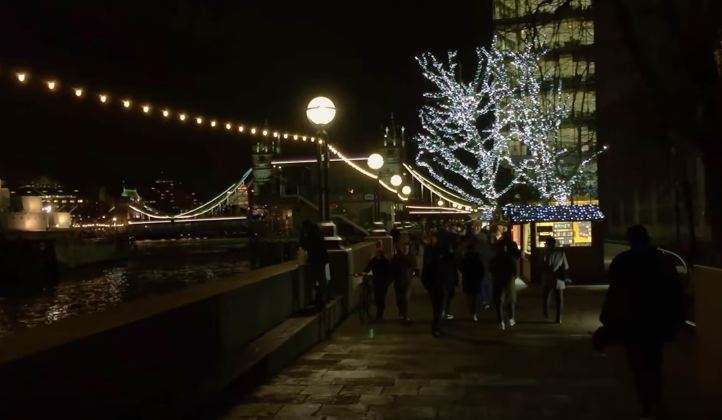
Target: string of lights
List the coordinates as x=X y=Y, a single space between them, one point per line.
x=557 y=213
x=107 y=100
x=445 y=196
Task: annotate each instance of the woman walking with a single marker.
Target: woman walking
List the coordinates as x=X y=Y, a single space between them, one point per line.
x=472 y=274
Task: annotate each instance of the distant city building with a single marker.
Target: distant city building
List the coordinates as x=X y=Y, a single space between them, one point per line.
x=168 y=196
x=566 y=28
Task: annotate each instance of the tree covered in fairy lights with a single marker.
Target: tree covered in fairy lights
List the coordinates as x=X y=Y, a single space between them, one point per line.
x=518 y=145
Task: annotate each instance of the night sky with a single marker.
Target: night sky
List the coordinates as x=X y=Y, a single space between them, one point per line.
x=245 y=61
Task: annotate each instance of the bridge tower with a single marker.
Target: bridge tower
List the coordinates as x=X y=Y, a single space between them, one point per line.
x=262 y=156
x=394 y=151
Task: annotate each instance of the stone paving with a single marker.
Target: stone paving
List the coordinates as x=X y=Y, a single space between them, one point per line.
x=536 y=370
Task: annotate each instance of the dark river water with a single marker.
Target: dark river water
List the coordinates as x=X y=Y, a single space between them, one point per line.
x=155 y=267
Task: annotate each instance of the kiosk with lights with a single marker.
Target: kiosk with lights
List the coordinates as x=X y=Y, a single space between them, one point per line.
x=577 y=229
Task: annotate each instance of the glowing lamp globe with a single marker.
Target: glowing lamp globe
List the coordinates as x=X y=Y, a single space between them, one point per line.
x=406 y=190
x=440 y=202
x=396 y=180
x=375 y=161
x=320 y=111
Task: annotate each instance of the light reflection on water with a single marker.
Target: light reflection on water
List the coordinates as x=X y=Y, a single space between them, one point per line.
x=155 y=267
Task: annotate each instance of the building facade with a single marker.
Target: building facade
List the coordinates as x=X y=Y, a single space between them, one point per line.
x=566 y=29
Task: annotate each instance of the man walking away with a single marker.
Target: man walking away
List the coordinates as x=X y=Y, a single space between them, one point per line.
x=503 y=274
x=554 y=274
x=430 y=278
x=472 y=274
x=379 y=267
x=402 y=269
x=644 y=307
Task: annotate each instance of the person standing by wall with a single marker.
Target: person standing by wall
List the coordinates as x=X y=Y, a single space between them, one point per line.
x=554 y=274
x=312 y=241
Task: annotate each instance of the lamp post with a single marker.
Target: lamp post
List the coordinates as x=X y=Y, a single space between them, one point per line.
x=375 y=161
x=320 y=112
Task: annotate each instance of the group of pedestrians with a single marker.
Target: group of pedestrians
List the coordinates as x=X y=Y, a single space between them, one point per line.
x=399 y=271
x=642 y=310
x=486 y=267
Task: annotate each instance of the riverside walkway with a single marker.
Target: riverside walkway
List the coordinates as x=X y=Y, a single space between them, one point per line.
x=535 y=370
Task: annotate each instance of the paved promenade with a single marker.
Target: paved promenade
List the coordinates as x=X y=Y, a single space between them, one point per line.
x=536 y=370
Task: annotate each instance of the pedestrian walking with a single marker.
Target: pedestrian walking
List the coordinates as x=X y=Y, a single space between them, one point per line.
x=644 y=307
x=472 y=274
x=402 y=267
x=431 y=279
x=449 y=273
x=378 y=266
x=483 y=245
x=554 y=274
x=503 y=272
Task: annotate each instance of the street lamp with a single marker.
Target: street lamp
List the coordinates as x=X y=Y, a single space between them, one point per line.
x=375 y=161
x=396 y=180
x=320 y=112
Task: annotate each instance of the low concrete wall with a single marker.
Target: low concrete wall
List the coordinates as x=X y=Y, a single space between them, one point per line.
x=161 y=354
x=708 y=316
x=345 y=263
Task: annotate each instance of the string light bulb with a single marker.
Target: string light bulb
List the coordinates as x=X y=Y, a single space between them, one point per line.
x=22 y=77
x=199 y=120
x=103 y=98
x=242 y=128
x=126 y=103
x=165 y=113
x=228 y=126
x=146 y=109
x=285 y=136
x=253 y=130
x=52 y=84
x=78 y=92
x=182 y=117
x=265 y=133
x=440 y=203
x=213 y=123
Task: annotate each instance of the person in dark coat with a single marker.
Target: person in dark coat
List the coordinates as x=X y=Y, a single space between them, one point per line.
x=402 y=268
x=472 y=274
x=448 y=271
x=503 y=272
x=312 y=241
x=644 y=307
x=431 y=280
x=379 y=267
x=554 y=274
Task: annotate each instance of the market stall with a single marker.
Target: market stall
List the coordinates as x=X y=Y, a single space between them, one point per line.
x=577 y=229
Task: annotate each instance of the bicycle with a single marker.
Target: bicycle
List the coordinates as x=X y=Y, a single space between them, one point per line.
x=366 y=299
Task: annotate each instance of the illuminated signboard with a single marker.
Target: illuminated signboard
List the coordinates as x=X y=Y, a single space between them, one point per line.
x=567 y=234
